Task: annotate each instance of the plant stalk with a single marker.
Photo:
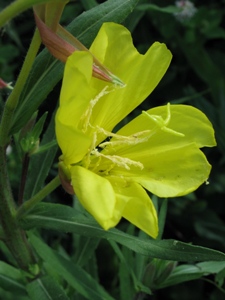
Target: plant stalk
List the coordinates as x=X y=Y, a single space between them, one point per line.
x=27 y=206
x=14 y=237
x=12 y=101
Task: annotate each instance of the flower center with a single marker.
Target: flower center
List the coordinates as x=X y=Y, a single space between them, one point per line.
x=102 y=159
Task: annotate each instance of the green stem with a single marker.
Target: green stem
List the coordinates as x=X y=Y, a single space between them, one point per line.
x=13 y=99
x=14 y=237
x=29 y=204
x=16 y=8
x=26 y=161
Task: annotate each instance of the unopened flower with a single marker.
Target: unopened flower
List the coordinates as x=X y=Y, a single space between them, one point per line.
x=4 y=84
x=60 y=43
x=158 y=151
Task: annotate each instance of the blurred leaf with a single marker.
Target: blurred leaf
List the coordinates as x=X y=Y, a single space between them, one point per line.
x=47 y=71
x=210 y=230
x=125 y=282
x=220 y=276
x=64 y=218
x=157 y=271
x=11 y=30
x=132 y=265
x=204 y=67
x=11 y=279
x=85 y=249
x=88 y=4
x=6 y=295
x=8 y=53
x=168 y=9
x=45 y=288
x=73 y=274
x=127 y=265
x=7 y=254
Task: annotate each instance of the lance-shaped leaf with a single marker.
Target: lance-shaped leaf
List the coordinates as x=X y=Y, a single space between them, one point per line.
x=66 y=219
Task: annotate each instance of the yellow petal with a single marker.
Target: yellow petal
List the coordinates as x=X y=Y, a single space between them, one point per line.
x=173 y=165
x=74 y=100
x=76 y=92
x=139 y=209
x=190 y=121
x=97 y=196
x=114 y=48
x=73 y=143
x=174 y=172
x=184 y=119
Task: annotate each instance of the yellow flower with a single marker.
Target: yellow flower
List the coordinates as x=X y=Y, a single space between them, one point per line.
x=158 y=151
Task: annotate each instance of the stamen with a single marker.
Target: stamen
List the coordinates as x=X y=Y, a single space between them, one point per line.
x=123 y=162
x=85 y=118
x=122 y=139
x=163 y=123
x=87 y=159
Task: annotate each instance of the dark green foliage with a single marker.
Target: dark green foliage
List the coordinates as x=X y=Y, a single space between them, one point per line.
x=79 y=260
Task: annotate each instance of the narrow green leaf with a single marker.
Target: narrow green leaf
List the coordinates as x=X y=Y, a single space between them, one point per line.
x=128 y=265
x=30 y=142
x=125 y=282
x=38 y=127
x=85 y=249
x=64 y=218
x=211 y=267
x=181 y=274
x=47 y=71
x=185 y=273
x=45 y=288
x=73 y=274
x=219 y=278
x=140 y=261
x=162 y=217
x=45 y=147
x=41 y=163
